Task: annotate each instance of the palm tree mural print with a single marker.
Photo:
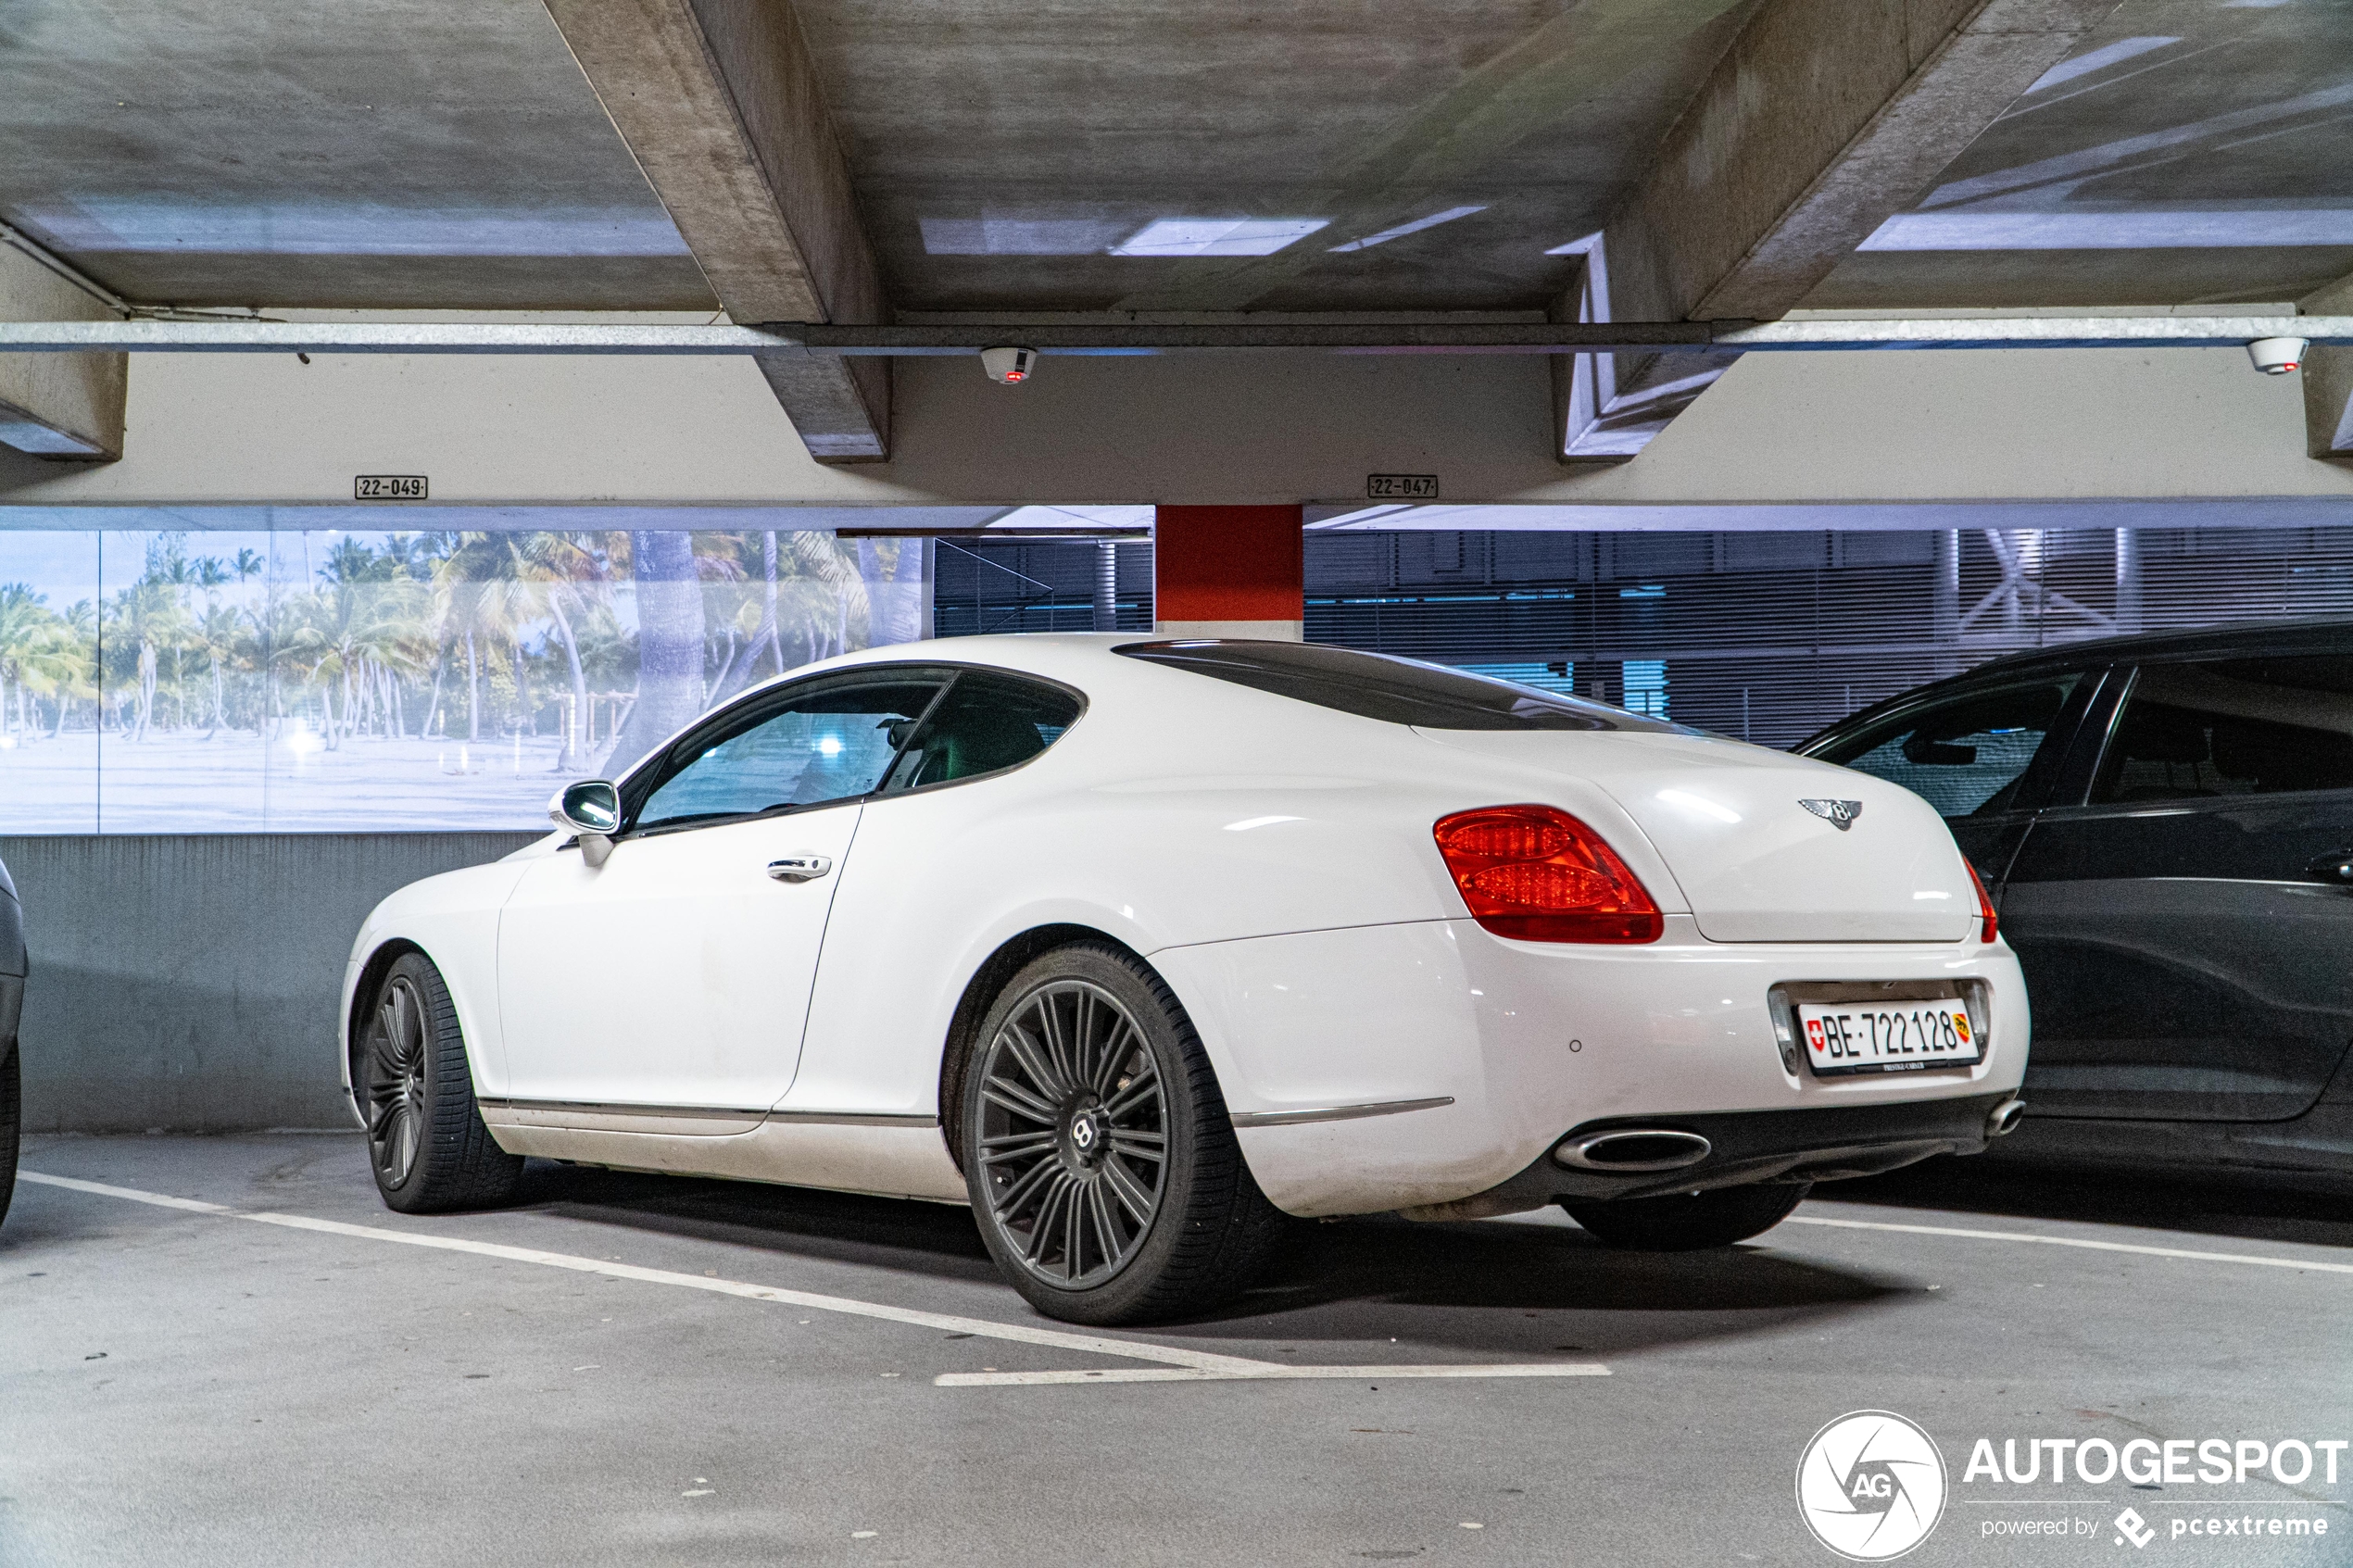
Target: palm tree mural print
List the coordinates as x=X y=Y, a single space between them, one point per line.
x=337 y=680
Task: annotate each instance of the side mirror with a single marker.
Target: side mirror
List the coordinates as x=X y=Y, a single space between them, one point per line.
x=592 y=809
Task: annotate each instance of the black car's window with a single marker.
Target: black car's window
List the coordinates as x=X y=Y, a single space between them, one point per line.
x=831 y=740
x=985 y=722
x=1966 y=755
x=2241 y=726
x=1401 y=691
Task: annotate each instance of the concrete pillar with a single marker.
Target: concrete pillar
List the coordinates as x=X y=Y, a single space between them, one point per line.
x=1228 y=571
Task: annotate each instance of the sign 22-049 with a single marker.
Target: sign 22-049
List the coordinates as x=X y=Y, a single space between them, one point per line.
x=388 y=487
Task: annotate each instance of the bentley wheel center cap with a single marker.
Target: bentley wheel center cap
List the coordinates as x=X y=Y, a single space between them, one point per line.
x=1088 y=1134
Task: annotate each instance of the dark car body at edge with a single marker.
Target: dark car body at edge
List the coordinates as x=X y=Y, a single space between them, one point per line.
x=2165 y=822
x=12 y=973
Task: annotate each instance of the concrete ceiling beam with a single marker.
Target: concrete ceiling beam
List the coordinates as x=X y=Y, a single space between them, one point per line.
x=65 y=406
x=2328 y=379
x=1823 y=119
x=720 y=103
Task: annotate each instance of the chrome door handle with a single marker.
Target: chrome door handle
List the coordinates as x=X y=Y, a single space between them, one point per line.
x=801 y=867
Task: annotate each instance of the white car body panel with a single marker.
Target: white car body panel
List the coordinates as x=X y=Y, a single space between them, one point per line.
x=1752 y=865
x=1273 y=860
x=675 y=974
x=454 y=917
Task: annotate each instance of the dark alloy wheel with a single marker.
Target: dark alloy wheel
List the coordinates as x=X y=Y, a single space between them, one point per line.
x=1074 y=1133
x=396 y=1082
x=426 y=1138
x=1101 y=1160
x=1688 y=1222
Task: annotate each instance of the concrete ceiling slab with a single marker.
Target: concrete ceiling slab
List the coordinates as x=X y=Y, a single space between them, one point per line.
x=2191 y=152
x=1011 y=155
x=380 y=153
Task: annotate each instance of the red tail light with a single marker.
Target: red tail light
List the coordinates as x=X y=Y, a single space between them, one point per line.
x=1538 y=875
x=1989 y=924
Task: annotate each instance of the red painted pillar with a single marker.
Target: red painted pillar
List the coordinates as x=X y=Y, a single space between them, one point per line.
x=1228 y=571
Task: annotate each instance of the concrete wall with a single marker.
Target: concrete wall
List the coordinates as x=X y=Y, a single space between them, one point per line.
x=188 y=982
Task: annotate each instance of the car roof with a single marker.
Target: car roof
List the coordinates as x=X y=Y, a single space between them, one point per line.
x=2313 y=635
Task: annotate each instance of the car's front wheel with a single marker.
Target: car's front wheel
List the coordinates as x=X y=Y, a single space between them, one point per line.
x=1686 y=1222
x=1102 y=1163
x=425 y=1133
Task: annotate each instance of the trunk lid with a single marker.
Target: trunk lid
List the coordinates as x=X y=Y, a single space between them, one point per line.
x=1754 y=862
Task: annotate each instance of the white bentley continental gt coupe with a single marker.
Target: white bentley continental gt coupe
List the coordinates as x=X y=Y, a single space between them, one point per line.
x=1138 y=947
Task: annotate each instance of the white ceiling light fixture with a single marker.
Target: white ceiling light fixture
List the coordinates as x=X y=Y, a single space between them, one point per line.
x=1416 y=227
x=2096 y=59
x=1217 y=236
x=998 y=234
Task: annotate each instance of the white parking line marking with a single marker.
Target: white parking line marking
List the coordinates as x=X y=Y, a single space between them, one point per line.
x=1269 y=1371
x=1180 y=1365
x=977 y=1327
x=2073 y=1241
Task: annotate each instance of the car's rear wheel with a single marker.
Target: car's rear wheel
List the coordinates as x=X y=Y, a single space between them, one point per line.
x=425 y=1134
x=11 y=1121
x=1686 y=1222
x=1102 y=1164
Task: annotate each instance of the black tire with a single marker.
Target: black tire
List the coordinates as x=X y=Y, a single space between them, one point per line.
x=1687 y=1222
x=12 y=1125
x=426 y=1141
x=1102 y=1164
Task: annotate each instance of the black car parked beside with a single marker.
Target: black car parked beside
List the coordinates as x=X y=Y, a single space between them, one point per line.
x=12 y=969
x=2165 y=825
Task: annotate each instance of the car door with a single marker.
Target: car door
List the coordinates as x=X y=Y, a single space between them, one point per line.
x=1984 y=755
x=2185 y=928
x=677 y=974
x=916 y=895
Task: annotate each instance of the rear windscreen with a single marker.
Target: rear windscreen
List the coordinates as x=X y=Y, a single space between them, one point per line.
x=1399 y=691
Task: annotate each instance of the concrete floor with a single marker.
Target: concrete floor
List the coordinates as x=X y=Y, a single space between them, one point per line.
x=187 y=1386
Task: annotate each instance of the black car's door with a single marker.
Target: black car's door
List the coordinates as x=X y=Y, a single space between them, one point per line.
x=1984 y=755
x=2185 y=928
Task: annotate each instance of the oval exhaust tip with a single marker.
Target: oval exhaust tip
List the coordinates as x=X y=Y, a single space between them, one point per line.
x=2003 y=1119
x=1634 y=1150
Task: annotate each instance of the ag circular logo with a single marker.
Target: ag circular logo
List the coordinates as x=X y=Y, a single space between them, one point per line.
x=1871 y=1485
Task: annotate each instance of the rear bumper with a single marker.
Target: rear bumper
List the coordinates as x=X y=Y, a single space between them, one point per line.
x=1745 y=1146
x=1484 y=1052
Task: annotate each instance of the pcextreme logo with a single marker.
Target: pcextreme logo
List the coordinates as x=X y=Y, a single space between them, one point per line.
x=1871 y=1485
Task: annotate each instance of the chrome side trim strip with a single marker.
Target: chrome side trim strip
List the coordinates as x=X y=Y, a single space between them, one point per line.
x=592 y=1108
x=1335 y=1112
x=711 y=1113
x=852 y=1119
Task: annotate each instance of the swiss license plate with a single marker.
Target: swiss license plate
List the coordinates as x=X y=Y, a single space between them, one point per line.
x=1842 y=1038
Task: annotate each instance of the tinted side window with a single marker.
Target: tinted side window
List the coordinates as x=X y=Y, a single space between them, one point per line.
x=1399 y=691
x=833 y=741
x=983 y=724
x=2243 y=726
x=1967 y=756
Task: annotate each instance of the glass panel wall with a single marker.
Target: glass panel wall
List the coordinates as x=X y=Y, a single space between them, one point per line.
x=341 y=681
